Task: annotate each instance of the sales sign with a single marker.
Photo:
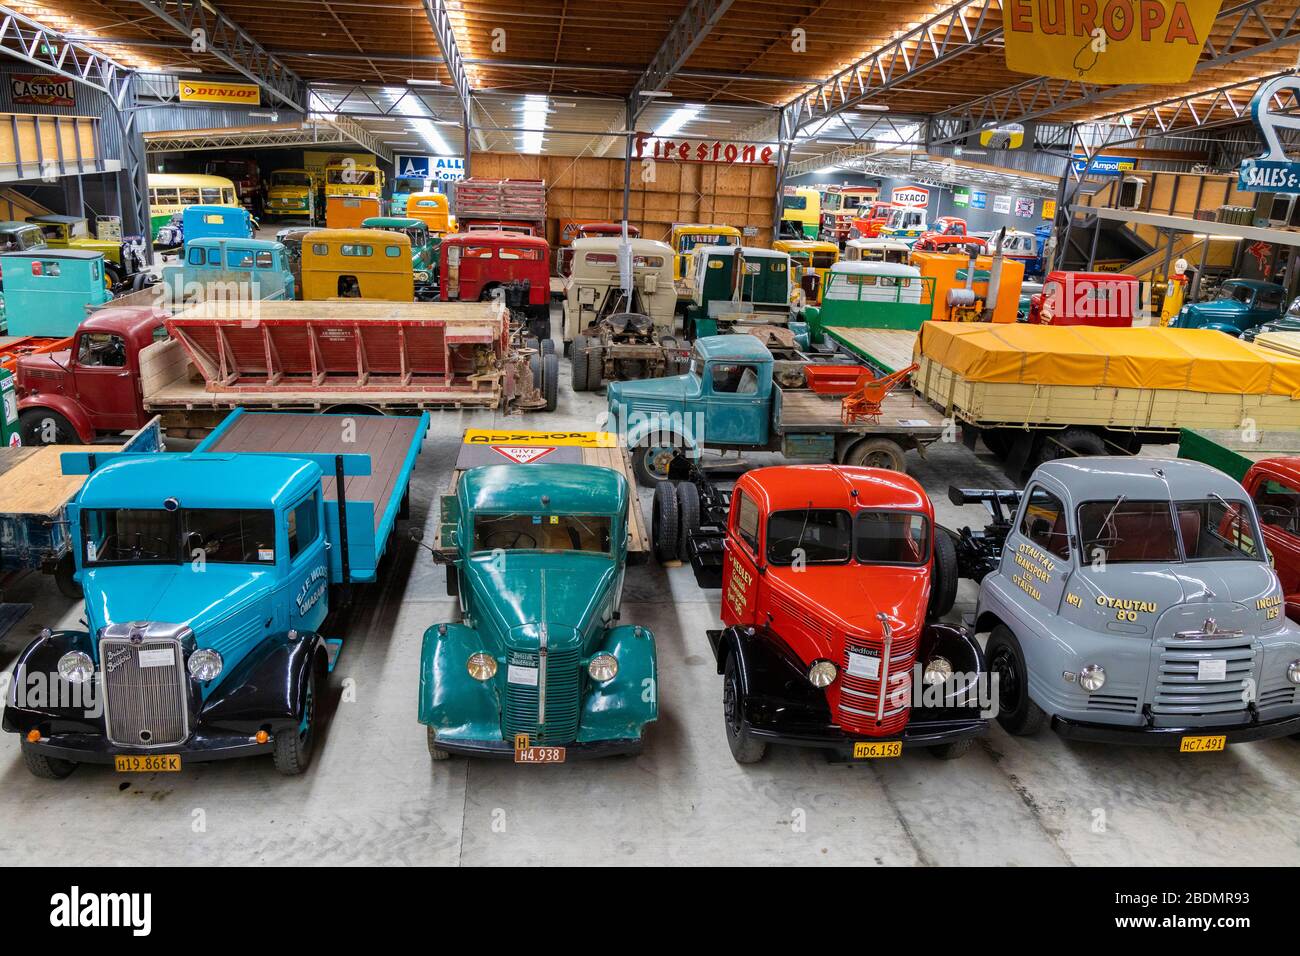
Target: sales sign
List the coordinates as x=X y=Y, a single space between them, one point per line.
x=913 y=197
x=42 y=89
x=1024 y=208
x=203 y=91
x=961 y=196
x=1273 y=171
x=1049 y=208
x=1108 y=41
x=979 y=200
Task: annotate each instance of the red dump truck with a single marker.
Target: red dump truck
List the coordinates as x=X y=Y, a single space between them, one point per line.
x=128 y=364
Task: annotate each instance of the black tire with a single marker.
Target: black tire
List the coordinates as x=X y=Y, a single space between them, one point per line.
x=958 y=748
x=665 y=523
x=998 y=441
x=63 y=580
x=47 y=768
x=581 y=365
x=531 y=342
x=1017 y=713
x=539 y=320
x=113 y=273
x=436 y=753
x=943 y=580
x=644 y=464
x=547 y=346
x=744 y=748
x=1080 y=441
x=293 y=750
x=688 y=511
x=535 y=366
x=36 y=424
x=877 y=453
x=551 y=379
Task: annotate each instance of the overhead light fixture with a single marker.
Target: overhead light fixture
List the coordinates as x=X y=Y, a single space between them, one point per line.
x=676 y=120
x=273 y=116
x=178 y=69
x=872 y=108
x=424 y=82
x=826 y=170
x=534 y=120
x=656 y=93
x=432 y=138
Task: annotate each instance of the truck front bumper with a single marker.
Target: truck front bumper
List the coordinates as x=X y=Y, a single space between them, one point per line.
x=580 y=750
x=202 y=746
x=1144 y=736
x=923 y=730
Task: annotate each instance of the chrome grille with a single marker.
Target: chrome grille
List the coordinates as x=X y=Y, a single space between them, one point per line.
x=144 y=706
x=859 y=700
x=1179 y=691
x=563 y=696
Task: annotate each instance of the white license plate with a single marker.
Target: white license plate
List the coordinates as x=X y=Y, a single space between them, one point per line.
x=1211 y=670
x=864 y=666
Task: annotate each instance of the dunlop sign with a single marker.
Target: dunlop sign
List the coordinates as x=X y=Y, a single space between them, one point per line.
x=1107 y=41
x=202 y=91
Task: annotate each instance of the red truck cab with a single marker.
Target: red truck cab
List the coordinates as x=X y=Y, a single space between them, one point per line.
x=473 y=265
x=831 y=582
x=875 y=218
x=1104 y=299
x=1274 y=485
x=93 y=388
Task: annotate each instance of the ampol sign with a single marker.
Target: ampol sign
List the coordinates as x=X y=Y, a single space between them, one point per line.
x=914 y=197
x=1272 y=171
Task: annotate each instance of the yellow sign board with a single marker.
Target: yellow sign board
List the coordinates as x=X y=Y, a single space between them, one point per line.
x=488 y=436
x=1108 y=41
x=1049 y=209
x=205 y=91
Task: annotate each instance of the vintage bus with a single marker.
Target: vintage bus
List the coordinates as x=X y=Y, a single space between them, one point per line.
x=170 y=193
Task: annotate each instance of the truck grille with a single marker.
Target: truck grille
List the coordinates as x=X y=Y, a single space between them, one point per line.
x=144 y=706
x=1180 y=692
x=859 y=697
x=563 y=695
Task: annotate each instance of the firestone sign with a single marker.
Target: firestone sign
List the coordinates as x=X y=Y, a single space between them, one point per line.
x=697 y=151
x=42 y=89
x=1273 y=171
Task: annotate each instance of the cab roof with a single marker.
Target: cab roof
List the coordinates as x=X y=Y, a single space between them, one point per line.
x=1258 y=285
x=569 y=489
x=198 y=480
x=1104 y=478
x=741 y=348
x=788 y=487
x=502 y=237
x=860 y=267
x=46 y=253
x=132 y=319
x=749 y=252
x=216 y=242
x=12 y=226
x=391 y=222
x=56 y=217
x=355 y=235
x=640 y=247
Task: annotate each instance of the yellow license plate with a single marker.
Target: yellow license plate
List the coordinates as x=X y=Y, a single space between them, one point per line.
x=864 y=750
x=1202 y=745
x=540 y=754
x=148 y=763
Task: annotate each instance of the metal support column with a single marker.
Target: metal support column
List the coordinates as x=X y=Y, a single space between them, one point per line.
x=627 y=160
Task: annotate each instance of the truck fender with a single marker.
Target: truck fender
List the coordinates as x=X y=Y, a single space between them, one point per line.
x=959 y=647
x=269 y=684
x=770 y=674
x=620 y=708
x=41 y=656
x=449 y=696
x=1225 y=328
x=660 y=427
x=67 y=407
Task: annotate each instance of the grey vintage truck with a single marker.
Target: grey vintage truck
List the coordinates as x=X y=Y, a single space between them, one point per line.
x=1129 y=600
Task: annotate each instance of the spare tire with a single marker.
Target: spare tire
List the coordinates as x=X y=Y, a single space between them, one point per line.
x=581 y=364
x=943 y=577
x=550 y=379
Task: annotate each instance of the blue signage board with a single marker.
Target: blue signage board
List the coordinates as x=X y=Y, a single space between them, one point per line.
x=1102 y=165
x=979 y=200
x=442 y=168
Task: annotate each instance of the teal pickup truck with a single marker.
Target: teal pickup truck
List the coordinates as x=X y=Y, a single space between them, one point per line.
x=727 y=400
x=1240 y=305
x=539 y=667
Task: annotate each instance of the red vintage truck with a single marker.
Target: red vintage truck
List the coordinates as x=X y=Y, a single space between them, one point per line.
x=833 y=579
x=948 y=235
x=472 y=266
x=875 y=217
x=1105 y=299
x=128 y=364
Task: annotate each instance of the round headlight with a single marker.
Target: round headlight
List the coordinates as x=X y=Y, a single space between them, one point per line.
x=822 y=673
x=1293 y=672
x=481 y=666
x=205 y=664
x=938 y=670
x=603 y=667
x=1092 y=678
x=76 y=667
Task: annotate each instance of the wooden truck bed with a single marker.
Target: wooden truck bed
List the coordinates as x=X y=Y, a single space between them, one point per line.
x=902 y=413
x=32 y=481
x=886 y=349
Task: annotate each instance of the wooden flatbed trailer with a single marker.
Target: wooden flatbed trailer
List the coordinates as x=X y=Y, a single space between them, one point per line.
x=885 y=349
x=486 y=446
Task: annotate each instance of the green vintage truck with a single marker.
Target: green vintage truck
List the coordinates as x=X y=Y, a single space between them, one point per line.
x=539 y=666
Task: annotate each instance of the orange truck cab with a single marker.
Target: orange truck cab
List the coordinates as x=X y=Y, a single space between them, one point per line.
x=833 y=581
x=1105 y=299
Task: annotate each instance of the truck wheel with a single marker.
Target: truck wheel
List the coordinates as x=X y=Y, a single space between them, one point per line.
x=47 y=768
x=688 y=511
x=293 y=749
x=63 y=578
x=650 y=463
x=877 y=453
x=1080 y=441
x=1017 y=714
x=550 y=379
x=40 y=426
x=665 y=523
x=958 y=748
x=744 y=748
x=943 y=582
x=435 y=752
x=998 y=441
x=581 y=364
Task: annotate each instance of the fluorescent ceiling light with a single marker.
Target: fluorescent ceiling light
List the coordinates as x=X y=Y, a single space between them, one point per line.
x=424 y=82
x=676 y=120
x=428 y=132
x=873 y=108
x=827 y=169
x=534 y=111
x=656 y=93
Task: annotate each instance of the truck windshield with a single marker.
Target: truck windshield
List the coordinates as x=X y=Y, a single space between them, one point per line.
x=1217 y=530
x=1130 y=531
x=892 y=537
x=290 y=179
x=809 y=536
x=154 y=536
x=541 y=532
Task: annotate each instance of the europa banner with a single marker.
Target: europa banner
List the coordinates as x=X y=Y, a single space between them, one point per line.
x=1107 y=41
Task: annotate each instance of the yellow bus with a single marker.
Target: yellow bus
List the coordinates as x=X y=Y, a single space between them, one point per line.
x=803 y=205
x=169 y=193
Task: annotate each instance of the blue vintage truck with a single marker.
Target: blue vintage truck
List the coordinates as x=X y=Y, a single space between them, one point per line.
x=244 y=269
x=209 y=578
x=1239 y=306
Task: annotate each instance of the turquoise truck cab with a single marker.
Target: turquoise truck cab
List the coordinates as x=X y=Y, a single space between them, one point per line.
x=539 y=666
x=1240 y=305
x=208 y=577
x=46 y=291
x=237 y=269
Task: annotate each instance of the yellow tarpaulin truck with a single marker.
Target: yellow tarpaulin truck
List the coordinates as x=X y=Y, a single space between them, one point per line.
x=1035 y=393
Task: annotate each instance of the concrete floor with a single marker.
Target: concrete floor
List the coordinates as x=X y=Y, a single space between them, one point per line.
x=373 y=796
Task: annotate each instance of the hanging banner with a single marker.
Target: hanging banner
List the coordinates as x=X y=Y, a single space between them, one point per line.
x=1049 y=209
x=1272 y=171
x=42 y=89
x=439 y=168
x=1024 y=208
x=961 y=196
x=204 y=91
x=1101 y=165
x=979 y=200
x=1108 y=41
